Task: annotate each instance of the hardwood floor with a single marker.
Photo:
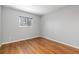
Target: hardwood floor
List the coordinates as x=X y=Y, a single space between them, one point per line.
x=37 y=46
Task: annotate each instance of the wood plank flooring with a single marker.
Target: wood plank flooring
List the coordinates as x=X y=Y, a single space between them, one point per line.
x=37 y=46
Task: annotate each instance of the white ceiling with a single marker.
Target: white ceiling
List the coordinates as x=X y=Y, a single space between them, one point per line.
x=36 y=9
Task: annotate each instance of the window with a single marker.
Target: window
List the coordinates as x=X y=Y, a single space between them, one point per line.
x=24 y=21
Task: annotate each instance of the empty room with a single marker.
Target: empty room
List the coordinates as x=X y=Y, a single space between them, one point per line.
x=39 y=29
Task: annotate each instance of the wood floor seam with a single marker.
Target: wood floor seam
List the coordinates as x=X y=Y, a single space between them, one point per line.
x=37 y=45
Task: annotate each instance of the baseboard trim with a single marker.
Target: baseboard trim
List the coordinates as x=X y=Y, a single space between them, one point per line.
x=61 y=42
x=40 y=37
x=18 y=40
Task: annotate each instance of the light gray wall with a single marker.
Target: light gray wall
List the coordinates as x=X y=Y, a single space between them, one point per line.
x=11 y=29
x=62 y=25
x=0 y=24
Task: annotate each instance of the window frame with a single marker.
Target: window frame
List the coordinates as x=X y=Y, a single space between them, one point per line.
x=21 y=23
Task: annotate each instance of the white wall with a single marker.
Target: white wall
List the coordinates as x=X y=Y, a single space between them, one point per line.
x=11 y=29
x=0 y=25
x=62 y=25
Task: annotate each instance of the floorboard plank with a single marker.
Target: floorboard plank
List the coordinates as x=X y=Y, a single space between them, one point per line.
x=37 y=46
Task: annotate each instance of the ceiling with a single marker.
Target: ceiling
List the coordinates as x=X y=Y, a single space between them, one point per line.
x=36 y=9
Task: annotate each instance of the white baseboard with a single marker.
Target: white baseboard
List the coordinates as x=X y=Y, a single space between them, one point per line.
x=18 y=40
x=61 y=42
x=43 y=37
